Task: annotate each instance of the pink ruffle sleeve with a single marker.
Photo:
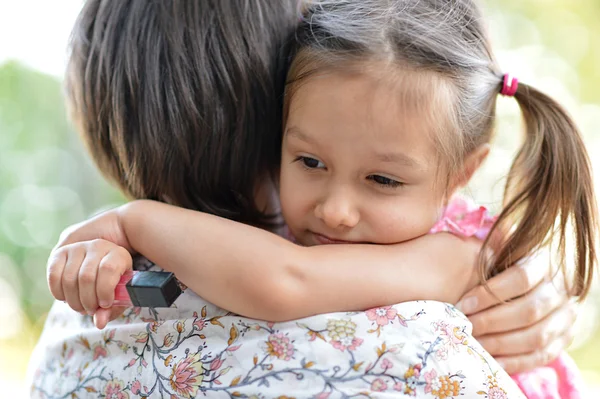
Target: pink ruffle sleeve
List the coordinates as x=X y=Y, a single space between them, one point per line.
x=465 y=219
x=560 y=379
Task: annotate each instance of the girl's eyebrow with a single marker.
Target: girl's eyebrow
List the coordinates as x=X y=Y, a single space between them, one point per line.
x=298 y=134
x=400 y=158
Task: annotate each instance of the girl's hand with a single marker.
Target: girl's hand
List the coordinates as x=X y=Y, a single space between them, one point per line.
x=106 y=226
x=530 y=330
x=85 y=275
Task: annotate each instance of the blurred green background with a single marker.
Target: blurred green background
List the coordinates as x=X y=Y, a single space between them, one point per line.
x=47 y=181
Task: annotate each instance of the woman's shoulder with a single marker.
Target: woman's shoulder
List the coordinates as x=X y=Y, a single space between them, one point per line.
x=422 y=349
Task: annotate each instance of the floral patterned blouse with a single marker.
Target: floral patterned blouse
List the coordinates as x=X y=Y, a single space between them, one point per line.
x=194 y=349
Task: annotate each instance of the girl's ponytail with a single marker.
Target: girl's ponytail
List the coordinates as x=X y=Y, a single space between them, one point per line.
x=549 y=192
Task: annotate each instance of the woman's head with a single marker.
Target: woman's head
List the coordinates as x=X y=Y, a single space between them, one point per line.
x=180 y=101
x=436 y=55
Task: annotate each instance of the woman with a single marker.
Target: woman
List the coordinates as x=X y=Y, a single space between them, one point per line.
x=212 y=67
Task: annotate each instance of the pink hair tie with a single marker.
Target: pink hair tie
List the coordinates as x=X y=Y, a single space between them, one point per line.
x=509 y=86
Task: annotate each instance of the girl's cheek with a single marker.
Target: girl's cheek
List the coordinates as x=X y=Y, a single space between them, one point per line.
x=399 y=222
x=295 y=206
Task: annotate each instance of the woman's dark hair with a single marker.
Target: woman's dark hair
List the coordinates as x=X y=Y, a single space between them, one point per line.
x=180 y=101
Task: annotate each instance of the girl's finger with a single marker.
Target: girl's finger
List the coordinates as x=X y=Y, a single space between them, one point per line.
x=512 y=283
x=520 y=313
x=103 y=316
x=87 y=283
x=70 y=277
x=112 y=266
x=54 y=273
x=535 y=338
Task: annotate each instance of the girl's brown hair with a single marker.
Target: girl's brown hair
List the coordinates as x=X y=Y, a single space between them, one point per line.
x=180 y=101
x=549 y=191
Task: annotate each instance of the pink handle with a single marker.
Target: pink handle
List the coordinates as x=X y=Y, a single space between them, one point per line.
x=121 y=294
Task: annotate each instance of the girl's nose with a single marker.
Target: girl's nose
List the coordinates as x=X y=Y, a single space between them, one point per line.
x=338 y=211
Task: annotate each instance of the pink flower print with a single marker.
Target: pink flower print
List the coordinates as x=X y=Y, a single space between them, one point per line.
x=154 y=324
x=347 y=343
x=233 y=348
x=382 y=316
x=187 y=376
x=200 y=324
x=494 y=390
x=323 y=395
x=430 y=380
x=458 y=337
x=442 y=353
x=452 y=335
x=280 y=346
x=136 y=387
x=441 y=326
x=398 y=386
x=99 y=351
x=378 y=385
x=140 y=337
x=497 y=393
x=115 y=389
x=216 y=364
x=386 y=364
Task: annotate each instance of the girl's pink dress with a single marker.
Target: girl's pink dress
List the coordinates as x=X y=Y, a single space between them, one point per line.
x=561 y=378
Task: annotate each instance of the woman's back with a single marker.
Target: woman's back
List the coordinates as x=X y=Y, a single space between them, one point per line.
x=422 y=349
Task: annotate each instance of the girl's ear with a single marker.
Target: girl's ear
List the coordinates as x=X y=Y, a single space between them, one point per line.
x=470 y=165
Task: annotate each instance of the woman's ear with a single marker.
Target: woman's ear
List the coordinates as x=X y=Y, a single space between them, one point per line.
x=470 y=165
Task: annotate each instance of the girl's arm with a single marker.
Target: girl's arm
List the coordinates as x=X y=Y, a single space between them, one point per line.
x=261 y=275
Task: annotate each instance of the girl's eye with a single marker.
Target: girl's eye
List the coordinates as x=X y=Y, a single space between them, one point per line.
x=385 y=181
x=311 y=163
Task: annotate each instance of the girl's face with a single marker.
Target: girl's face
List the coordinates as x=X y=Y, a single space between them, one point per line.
x=359 y=164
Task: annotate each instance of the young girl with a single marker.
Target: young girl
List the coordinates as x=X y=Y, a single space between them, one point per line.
x=385 y=119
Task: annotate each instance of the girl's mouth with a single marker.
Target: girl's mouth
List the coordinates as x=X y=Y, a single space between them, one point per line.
x=324 y=240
